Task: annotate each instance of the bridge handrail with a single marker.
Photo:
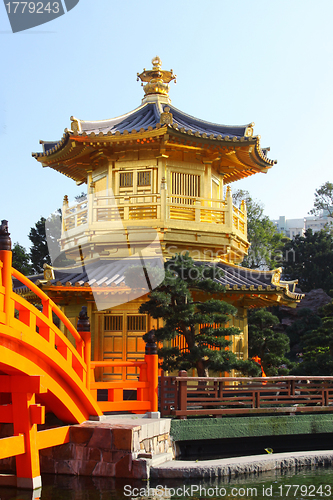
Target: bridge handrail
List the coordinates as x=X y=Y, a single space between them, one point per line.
x=46 y=300
x=54 y=342
x=35 y=326
x=44 y=348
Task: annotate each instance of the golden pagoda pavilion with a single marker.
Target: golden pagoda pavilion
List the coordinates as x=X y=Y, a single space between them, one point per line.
x=158 y=183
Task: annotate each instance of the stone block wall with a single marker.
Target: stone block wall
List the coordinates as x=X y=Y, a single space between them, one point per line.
x=110 y=449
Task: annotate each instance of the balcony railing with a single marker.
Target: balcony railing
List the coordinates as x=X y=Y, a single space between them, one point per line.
x=133 y=207
x=187 y=208
x=222 y=214
x=75 y=216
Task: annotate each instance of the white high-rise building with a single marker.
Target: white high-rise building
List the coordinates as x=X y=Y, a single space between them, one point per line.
x=293 y=227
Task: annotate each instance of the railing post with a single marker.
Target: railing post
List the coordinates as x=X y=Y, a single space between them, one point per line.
x=229 y=207
x=83 y=328
x=257 y=399
x=126 y=207
x=142 y=393
x=325 y=395
x=168 y=209
x=163 y=202
x=162 y=393
x=64 y=213
x=182 y=393
x=151 y=358
x=6 y=258
x=244 y=210
x=197 y=211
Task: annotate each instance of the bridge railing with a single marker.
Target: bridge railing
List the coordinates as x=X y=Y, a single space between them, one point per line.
x=185 y=396
x=79 y=356
x=145 y=389
x=37 y=331
x=42 y=325
x=74 y=360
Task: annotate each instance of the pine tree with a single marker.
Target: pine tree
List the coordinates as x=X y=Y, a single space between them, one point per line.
x=323 y=202
x=202 y=323
x=317 y=347
x=306 y=322
x=267 y=343
x=309 y=259
x=21 y=259
x=39 y=252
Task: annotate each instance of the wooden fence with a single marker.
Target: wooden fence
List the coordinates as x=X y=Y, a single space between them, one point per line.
x=185 y=396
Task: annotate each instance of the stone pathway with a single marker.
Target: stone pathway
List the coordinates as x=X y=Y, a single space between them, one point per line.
x=227 y=467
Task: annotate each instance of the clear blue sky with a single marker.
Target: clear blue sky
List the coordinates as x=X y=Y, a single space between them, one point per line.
x=237 y=61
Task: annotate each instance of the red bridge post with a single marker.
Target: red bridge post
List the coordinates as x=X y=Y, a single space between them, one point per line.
x=6 y=258
x=83 y=328
x=26 y=416
x=151 y=358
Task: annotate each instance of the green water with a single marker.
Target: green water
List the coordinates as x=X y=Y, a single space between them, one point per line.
x=300 y=485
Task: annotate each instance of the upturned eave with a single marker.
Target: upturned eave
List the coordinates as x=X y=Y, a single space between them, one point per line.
x=151 y=122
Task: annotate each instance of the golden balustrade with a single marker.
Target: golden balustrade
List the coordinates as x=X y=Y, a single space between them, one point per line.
x=146 y=207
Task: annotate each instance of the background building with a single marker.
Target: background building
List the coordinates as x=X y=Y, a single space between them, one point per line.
x=292 y=227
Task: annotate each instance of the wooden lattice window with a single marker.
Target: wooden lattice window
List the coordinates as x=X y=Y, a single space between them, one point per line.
x=136 y=323
x=113 y=323
x=144 y=178
x=126 y=179
x=187 y=185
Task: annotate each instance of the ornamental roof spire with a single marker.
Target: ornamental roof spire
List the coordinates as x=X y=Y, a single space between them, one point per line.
x=157 y=79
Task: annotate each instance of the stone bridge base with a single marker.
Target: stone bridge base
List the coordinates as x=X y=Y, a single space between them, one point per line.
x=124 y=446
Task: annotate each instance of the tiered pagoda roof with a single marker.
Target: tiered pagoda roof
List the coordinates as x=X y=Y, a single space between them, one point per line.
x=157 y=123
x=252 y=288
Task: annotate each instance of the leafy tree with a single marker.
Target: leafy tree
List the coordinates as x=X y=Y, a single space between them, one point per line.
x=202 y=324
x=21 y=259
x=266 y=247
x=317 y=347
x=309 y=259
x=39 y=252
x=268 y=343
x=323 y=200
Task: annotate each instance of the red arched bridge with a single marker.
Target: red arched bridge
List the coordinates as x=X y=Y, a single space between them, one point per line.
x=41 y=370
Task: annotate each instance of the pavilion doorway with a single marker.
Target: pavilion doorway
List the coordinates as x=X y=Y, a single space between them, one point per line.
x=122 y=341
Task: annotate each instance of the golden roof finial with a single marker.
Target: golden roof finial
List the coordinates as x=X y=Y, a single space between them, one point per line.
x=157 y=79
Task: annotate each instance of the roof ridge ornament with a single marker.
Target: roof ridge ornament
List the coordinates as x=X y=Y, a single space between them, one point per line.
x=166 y=117
x=157 y=79
x=75 y=125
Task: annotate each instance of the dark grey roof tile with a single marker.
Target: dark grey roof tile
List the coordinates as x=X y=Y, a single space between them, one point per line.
x=148 y=115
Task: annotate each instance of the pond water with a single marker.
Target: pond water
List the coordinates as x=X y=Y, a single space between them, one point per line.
x=298 y=485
